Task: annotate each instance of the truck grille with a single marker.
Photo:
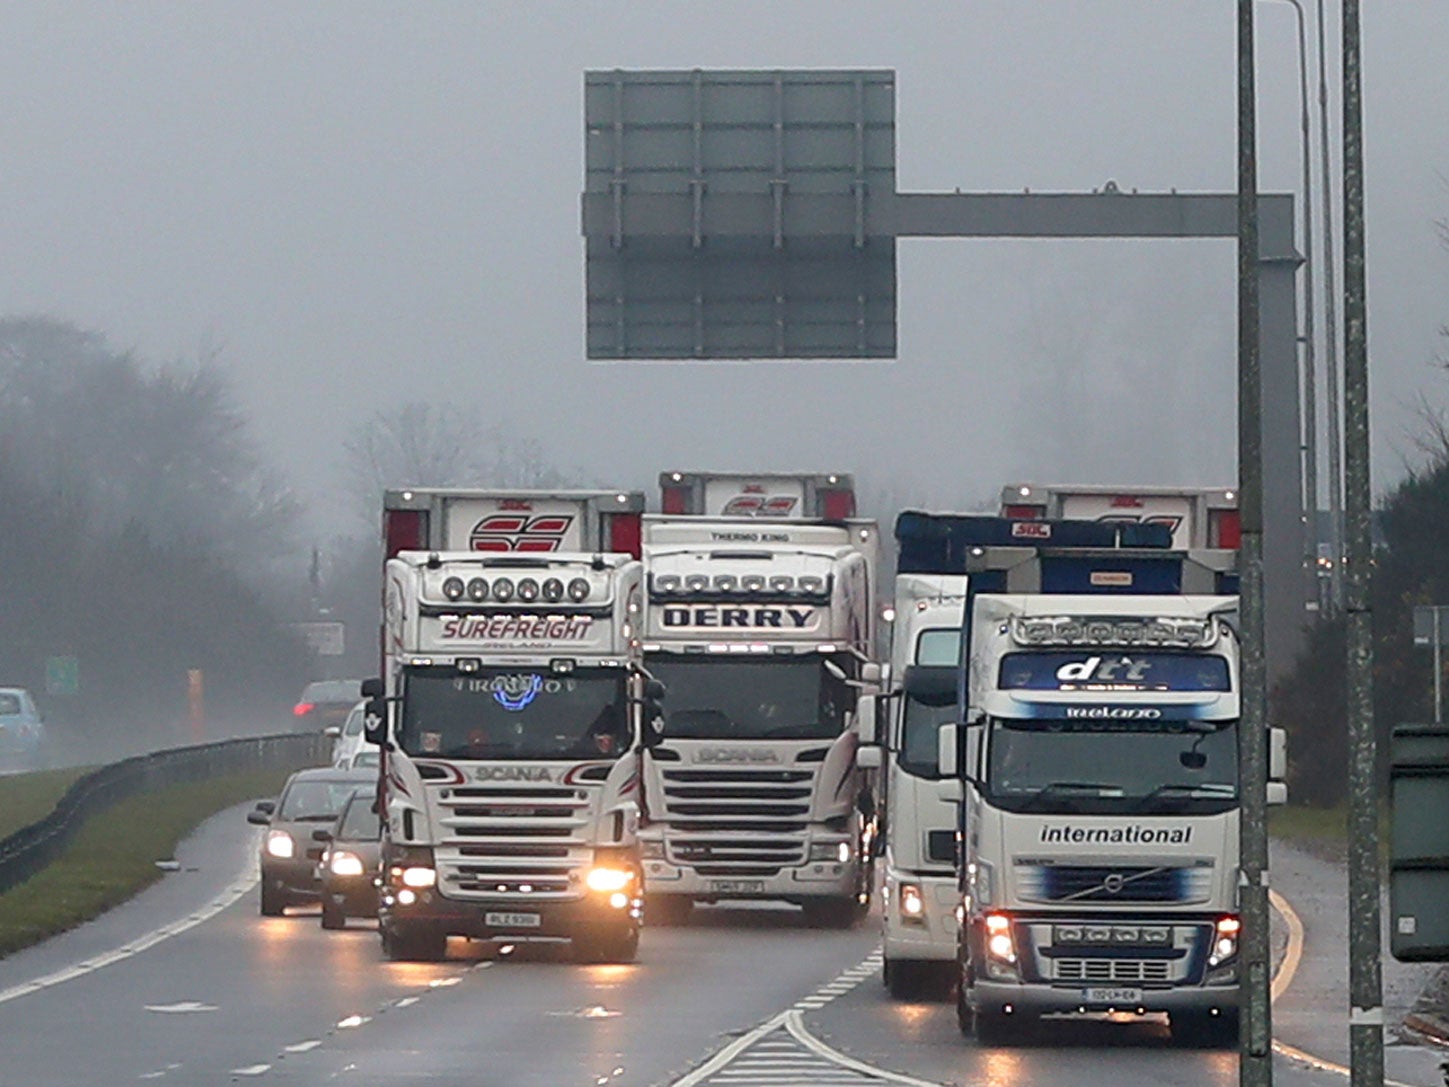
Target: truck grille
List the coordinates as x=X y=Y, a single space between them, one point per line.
x=1113 y=970
x=738 y=822
x=512 y=841
x=1114 y=884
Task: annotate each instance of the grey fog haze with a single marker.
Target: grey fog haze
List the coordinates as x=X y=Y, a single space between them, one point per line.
x=362 y=204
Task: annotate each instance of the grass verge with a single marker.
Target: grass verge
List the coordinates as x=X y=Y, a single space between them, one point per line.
x=105 y=865
x=29 y=798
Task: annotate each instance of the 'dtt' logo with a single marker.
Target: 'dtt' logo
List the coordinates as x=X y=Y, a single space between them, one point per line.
x=520 y=532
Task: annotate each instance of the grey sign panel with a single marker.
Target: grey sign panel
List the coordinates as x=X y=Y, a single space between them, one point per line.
x=740 y=214
x=1419 y=843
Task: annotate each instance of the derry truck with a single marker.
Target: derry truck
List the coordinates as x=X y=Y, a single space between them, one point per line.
x=1098 y=771
x=771 y=495
x=763 y=634
x=511 y=729
x=1197 y=517
x=918 y=825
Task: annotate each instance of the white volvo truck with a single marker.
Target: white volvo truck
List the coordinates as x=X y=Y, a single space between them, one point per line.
x=511 y=732
x=763 y=634
x=918 y=825
x=1098 y=770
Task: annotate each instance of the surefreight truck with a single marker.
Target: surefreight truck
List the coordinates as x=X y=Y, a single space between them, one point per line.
x=502 y=521
x=1097 y=764
x=511 y=729
x=763 y=634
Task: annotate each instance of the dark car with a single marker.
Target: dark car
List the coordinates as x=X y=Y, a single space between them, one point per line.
x=326 y=703
x=311 y=799
x=351 y=861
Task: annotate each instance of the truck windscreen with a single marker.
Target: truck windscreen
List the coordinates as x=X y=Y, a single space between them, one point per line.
x=1106 y=767
x=514 y=713
x=776 y=698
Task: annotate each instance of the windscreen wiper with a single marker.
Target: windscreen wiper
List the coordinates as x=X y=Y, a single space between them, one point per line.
x=1094 y=787
x=1213 y=789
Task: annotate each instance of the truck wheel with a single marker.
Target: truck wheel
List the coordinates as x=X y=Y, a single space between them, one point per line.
x=905 y=979
x=616 y=947
x=1203 y=1031
x=670 y=910
x=332 y=915
x=274 y=900
x=840 y=913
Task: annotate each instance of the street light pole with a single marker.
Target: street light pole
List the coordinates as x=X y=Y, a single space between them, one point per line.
x=1330 y=336
x=1255 y=1060
x=1310 y=358
x=1365 y=972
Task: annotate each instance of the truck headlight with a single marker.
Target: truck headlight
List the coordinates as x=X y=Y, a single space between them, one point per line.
x=607 y=880
x=280 y=844
x=830 y=852
x=418 y=877
x=911 y=904
x=1225 y=940
x=343 y=863
x=999 y=944
x=978 y=883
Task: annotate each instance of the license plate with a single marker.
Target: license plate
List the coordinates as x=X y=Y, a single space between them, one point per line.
x=1113 y=996
x=512 y=920
x=737 y=886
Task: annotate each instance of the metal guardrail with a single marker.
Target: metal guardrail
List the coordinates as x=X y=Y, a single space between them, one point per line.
x=31 y=848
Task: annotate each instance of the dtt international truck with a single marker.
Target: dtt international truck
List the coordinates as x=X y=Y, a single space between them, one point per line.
x=919 y=826
x=1098 y=770
x=511 y=731
x=763 y=632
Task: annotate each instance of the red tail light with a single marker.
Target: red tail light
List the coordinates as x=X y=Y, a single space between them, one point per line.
x=404 y=530
x=302 y=709
x=626 y=534
x=1225 y=529
x=1023 y=513
x=674 y=499
x=836 y=505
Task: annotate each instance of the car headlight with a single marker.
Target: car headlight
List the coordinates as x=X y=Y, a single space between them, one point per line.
x=418 y=877
x=607 y=880
x=343 y=863
x=280 y=844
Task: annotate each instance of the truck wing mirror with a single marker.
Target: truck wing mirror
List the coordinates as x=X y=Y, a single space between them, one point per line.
x=374 y=727
x=948 y=760
x=868 y=757
x=654 y=690
x=1277 y=754
x=372 y=688
x=1277 y=793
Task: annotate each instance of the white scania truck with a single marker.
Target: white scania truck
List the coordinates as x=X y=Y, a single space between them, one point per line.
x=1097 y=766
x=919 y=926
x=511 y=716
x=763 y=634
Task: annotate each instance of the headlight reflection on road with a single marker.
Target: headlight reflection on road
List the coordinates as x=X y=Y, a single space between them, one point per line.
x=1004 y=1068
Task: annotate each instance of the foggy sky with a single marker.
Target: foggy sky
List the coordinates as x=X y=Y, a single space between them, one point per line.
x=362 y=204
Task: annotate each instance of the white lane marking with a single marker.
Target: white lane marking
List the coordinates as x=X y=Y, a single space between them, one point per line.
x=252 y=1070
x=353 y=1021
x=406 y=1002
x=303 y=1047
x=182 y=1007
x=245 y=880
x=781 y=1053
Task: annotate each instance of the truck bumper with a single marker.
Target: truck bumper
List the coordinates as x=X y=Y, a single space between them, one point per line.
x=513 y=920
x=932 y=935
x=1036 y=999
x=794 y=884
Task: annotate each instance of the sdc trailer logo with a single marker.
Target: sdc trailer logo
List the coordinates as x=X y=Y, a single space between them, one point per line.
x=520 y=532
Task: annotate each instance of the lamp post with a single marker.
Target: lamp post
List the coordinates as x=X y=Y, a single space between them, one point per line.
x=1310 y=358
x=1330 y=337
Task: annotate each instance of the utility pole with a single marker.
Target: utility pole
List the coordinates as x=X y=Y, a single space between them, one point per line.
x=1330 y=339
x=1255 y=1062
x=1365 y=973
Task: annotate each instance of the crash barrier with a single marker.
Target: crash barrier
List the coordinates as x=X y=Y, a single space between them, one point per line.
x=31 y=848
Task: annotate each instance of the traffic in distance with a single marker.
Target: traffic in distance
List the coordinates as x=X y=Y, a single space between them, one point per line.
x=591 y=719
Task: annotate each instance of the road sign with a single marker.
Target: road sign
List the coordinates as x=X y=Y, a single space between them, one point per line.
x=324 y=639
x=62 y=676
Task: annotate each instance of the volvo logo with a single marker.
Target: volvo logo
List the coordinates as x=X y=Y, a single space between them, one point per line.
x=1113 y=883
